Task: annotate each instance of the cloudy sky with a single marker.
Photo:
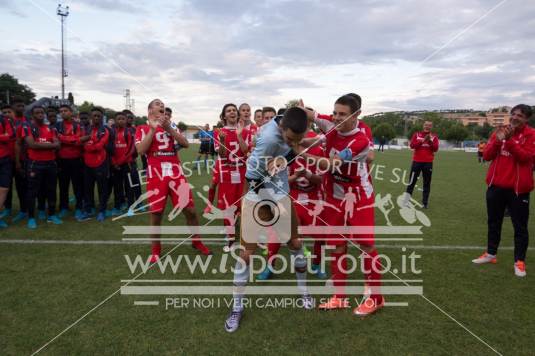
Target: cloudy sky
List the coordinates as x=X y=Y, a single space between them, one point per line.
x=197 y=55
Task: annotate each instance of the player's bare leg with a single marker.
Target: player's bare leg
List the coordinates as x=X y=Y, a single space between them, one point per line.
x=155 y=220
x=193 y=220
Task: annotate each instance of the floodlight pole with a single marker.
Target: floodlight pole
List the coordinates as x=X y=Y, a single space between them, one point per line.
x=63 y=13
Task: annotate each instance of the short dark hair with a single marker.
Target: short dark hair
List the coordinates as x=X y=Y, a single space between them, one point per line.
x=83 y=113
x=257 y=110
x=243 y=105
x=295 y=119
x=50 y=108
x=168 y=109
x=524 y=109
x=357 y=98
x=266 y=109
x=5 y=107
x=120 y=113
x=128 y=112
x=99 y=109
x=18 y=100
x=222 y=115
x=65 y=106
x=281 y=111
x=37 y=107
x=350 y=101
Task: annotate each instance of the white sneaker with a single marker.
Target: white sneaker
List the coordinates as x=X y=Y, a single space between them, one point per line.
x=520 y=269
x=233 y=321
x=308 y=302
x=485 y=258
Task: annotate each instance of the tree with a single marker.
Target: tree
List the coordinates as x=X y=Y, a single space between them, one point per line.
x=384 y=132
x=483 y=131
x=457 y=133
x=86 y=106
x=10 y=88
x=182 y=126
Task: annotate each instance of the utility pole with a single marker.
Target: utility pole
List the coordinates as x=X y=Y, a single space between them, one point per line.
x=63 y=13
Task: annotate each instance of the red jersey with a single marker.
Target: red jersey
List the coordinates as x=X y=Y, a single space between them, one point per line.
x=69 y=134
x=512 y=161
x=233 y=160
x=95 y=149
x=352 y=176
x=123 y=146
x=19 y=123
x=41 y=134
x=7 y=138
x=162 y=147
x=424 y=151
x=252 y=128
x=302 y=184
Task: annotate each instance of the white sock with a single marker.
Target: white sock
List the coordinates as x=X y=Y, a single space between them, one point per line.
x=241 y=274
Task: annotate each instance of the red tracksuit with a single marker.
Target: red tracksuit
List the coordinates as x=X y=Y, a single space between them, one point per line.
x=424 y=151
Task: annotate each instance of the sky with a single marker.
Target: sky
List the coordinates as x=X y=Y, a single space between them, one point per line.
x=198 y=55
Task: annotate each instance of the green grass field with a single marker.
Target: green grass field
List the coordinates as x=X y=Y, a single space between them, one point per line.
x=48 y=287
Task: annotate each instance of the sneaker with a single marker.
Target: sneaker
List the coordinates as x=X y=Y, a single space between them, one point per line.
x=101 y=217
x=83 y=217
x=77 y=214
x=108 y=213
x=41 y=215
x=32 y=224
x=369 y=306
x=233 y=321
x=520 y=269
x=19 y=217
x=199 y=246
x=63 y=213
x=265 y=274
x=5 y=213
x=308 y=302
x=316 y=270
x=54 y=219
x=335 y=302
x=3 y=224
x=485 y=258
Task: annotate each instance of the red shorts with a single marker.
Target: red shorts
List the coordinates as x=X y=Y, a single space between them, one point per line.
x=361 y=217
x=305 y=204
x=174 y=185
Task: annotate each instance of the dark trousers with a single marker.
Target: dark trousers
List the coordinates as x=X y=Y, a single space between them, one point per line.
x=70 y=170
x=121 y=186
x=41 y=200
x=98 y=175
x=132 y=182
x=497 y=200
x=426 y=168
x=42 y=177
x=20 y=186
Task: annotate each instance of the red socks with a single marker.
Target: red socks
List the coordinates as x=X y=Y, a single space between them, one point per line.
x=339 y=273
x=372 y=267
x=156 y=248
x=317 y=252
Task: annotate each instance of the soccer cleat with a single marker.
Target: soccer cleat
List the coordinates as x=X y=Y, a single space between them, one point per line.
x=306 y=251
x=19 y=217
x=41 y=215
x=265 y=274
x=83 y=217
x=3 y=224
x=316 y=270
x=54 y=219
x=101 y=217
x=308 y=302
x=5 y=213
x=369 y=306
x=485 y=258
x=32 y=224
x=335 y=302
x=154 y=258
x=199 y=246
x=233 y=321
x=63 y=213
x=520 y=269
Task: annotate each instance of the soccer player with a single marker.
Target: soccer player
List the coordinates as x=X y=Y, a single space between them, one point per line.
x=258 y=117
x=205 y=136
x=52 y=116
x=347 y=150
x=278 y=139
x=156 y=140
x=70 y=166
x=232 y=144
x=480 y=149
x=21 y=183
x=245 y=115
x=307 y=194
x=96 y=168
x=41 y=168
x=511 y=150
x=268 y=113
x=9 y=115
x=425 y=144
x=120 y=160
x=7 y=138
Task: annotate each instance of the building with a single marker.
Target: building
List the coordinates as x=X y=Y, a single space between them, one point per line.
x=499 y=116
x=471 y=119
